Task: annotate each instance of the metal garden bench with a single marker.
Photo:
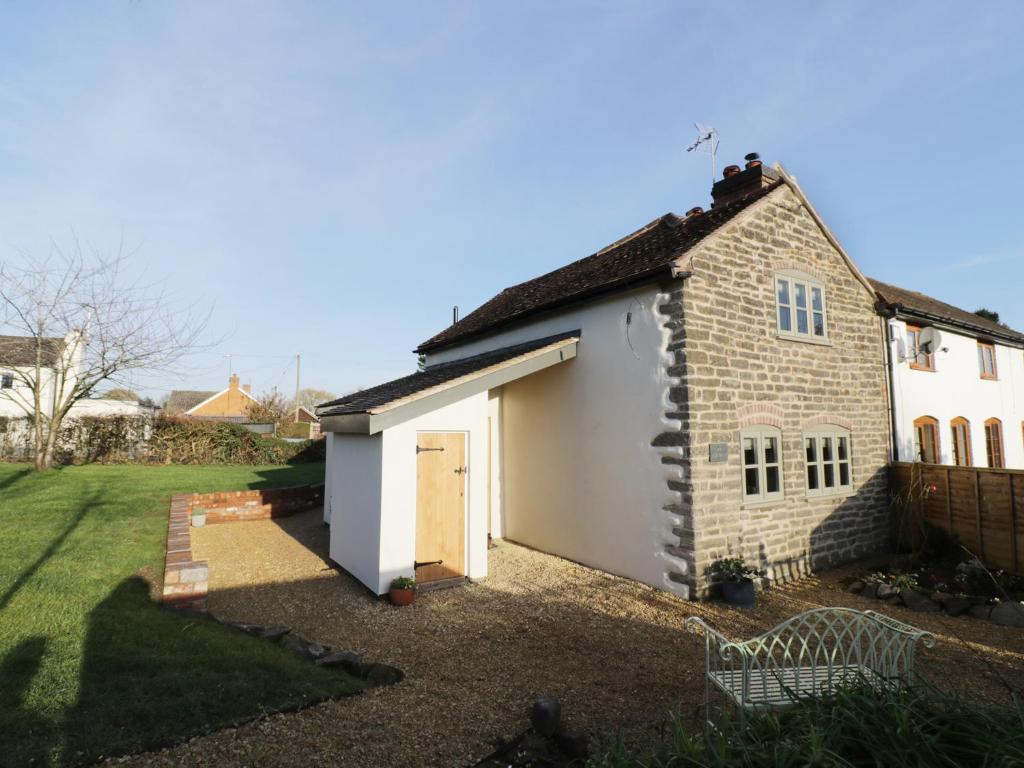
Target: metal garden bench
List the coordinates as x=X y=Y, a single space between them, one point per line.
x=811 y=654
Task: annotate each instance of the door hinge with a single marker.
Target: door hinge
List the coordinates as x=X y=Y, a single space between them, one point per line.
x=461 y=471
x=418 y=564
x=420 y=449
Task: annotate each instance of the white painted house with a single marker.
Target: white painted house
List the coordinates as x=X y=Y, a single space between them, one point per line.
x=642 y=410
x=960 y=399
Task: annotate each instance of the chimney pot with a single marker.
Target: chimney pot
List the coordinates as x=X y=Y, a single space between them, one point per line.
x=753 y=160
x=730 y=170
x=696 y=211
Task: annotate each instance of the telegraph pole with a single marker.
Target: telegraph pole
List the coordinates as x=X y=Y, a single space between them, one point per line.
x=298 y=370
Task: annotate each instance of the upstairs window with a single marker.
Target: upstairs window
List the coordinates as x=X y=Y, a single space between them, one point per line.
x=922 y=361
x=6 y=381
x=761 y=452
x=987 y=360
x=926 y=440
x=800 y=304
x=994 y=443
x=827 y=459
x=961 y=429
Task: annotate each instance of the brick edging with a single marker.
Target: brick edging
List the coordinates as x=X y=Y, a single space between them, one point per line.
x=186 y=580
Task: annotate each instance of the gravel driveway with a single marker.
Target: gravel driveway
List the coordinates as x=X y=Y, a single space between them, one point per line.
x=475 y=657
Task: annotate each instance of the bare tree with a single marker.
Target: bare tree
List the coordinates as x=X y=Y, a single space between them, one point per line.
x=310 y=398
x=78 y=321
x=269 y=408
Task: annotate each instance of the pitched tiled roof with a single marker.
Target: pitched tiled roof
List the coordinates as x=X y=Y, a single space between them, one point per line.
x=647 y=252
x=181 y=400
x=21 y=350
x=913 y=303
x=367 y=400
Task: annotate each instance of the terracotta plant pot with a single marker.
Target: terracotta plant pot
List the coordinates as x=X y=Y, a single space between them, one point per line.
x=401 y=596
x=739 y=593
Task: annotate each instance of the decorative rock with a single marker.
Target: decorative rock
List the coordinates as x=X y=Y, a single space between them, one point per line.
x=885 y=591
x=572 y=744
x=915 y=601
x=1008 y=614
x=302 y=647
x=383 y=674
x=894 y=600
x=545 y=716
x=956 y=606
x=273 y=633
x=870 y=589
x=338 y=659
x=856 y=587
x=980 y=611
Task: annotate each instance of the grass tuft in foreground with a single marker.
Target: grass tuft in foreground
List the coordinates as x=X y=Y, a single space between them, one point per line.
x=857 y=728
x=90 y=666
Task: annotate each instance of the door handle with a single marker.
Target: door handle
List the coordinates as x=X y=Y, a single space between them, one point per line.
x=461 y=471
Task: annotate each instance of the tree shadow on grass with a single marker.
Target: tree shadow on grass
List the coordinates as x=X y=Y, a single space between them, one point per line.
x=17 y=670
x=15 y=477
x=84 y=507
x=151 y=677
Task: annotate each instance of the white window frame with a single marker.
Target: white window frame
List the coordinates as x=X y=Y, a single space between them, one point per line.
x=793 y=278
x=758 y=434
x=819 y=435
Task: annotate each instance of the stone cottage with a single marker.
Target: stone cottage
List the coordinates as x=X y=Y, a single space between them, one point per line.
x=712 y=384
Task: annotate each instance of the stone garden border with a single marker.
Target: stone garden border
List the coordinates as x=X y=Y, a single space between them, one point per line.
x=1007 y=613
x=186 y=581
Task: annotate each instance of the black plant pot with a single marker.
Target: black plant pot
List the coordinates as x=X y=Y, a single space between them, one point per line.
x=739 y=593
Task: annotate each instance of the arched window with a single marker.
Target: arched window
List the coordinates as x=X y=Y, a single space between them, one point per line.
x=926 y=440
x=961 y=429
x=994 y=443
x=761 y=454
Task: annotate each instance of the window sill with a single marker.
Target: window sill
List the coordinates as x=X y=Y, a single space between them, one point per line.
x=921 y=368
x=989 y=378
x=804 y=339
x=763 y=503
x=839 y=494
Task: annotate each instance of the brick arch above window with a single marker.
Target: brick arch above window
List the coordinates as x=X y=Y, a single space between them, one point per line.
x=792 y=265
x=759 y=414
x=827 y=418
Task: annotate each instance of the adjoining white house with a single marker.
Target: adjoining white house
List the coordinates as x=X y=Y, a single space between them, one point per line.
x=957 y=382
x=709 y=385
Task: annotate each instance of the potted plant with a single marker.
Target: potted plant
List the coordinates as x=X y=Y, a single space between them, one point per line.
x=736 y=580
x=402 y=590
x=198 y=517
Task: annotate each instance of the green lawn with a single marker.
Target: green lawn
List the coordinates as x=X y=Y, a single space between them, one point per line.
x=89 y=665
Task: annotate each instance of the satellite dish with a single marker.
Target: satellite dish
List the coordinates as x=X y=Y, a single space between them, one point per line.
x=930 y=341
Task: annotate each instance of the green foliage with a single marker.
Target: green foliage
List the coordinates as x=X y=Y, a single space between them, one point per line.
x=988 y=314
x=188 y=441
x=89 y=664
x=859 y=727
x=298 y=429
x=403 y=582
x=733 y=569
x=898 y=579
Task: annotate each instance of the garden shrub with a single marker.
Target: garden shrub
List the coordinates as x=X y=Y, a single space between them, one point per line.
x=859 y=726
x=188 y=441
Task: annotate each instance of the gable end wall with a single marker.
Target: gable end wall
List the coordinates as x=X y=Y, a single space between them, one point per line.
x=732 y=366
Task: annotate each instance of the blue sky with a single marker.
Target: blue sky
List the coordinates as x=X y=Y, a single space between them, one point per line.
x=333 y=178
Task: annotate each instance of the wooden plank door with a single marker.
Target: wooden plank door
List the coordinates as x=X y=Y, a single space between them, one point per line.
x=440 y=505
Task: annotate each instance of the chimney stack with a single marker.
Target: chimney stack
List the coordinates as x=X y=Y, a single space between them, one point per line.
x=737 y=184
x=233 y=381
x=247 y=388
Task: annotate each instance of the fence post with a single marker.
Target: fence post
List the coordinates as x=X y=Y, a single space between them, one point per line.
x=949 y=503
x=977 y=513
x=1013 y=525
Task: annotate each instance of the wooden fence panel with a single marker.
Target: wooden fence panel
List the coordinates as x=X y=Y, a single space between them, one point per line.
x=984 y=508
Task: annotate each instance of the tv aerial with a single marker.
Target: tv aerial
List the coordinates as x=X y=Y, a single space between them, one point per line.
x=707 y=142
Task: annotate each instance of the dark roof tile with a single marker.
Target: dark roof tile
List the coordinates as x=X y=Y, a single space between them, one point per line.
x=181 y=400
x=914 y=302
x=367 y=399
x=647 y=252
x=21 y=350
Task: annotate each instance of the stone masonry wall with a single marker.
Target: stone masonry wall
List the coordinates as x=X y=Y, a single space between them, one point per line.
x=734 y=370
